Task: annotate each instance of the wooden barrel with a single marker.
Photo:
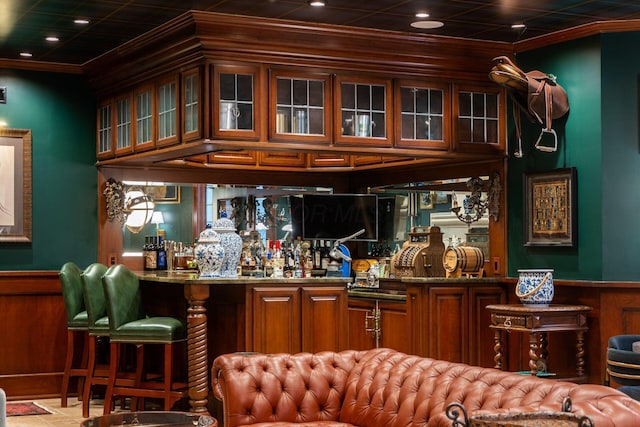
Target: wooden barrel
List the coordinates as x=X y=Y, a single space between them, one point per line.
x=467 y=259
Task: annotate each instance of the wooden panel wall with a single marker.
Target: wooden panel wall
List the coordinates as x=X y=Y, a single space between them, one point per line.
x=33 y=333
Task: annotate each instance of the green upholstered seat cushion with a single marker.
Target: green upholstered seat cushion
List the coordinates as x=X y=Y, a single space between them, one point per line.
x=151 y=330
x=100 y=328
x=78 y=322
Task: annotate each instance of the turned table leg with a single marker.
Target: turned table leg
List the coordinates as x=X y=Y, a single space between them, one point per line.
x=544 y=353
x=196 y=296
x=533 y=353
x=580 y=353
x=497 y=348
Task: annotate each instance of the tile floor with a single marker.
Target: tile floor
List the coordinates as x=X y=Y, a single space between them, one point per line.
x=71 y=416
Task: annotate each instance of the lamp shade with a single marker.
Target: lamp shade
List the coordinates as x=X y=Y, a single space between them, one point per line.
x=139 y=209
x=157 y=218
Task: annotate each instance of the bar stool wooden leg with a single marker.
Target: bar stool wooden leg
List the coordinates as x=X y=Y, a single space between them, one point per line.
x=168 y=375
x=114 y=360
x=70 y=371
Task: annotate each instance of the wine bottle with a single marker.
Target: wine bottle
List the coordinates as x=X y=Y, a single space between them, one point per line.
x=151 y=258
x=162 y=254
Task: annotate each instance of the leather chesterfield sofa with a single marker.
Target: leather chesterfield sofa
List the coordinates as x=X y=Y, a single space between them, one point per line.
x=384 y=387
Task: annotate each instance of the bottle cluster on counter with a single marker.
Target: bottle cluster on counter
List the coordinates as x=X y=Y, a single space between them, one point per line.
x=154 y=253
x=285 y=259
x=160 y=254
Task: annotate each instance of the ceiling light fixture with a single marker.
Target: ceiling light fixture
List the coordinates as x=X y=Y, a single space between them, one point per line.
x=52 y=39
x=317 y=3
x=427 y=25
x=26 y=54
x=517 y=26
x=81 y=21
x=422 y=15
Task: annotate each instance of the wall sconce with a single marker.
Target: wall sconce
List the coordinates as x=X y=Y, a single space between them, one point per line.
x=138 y=208
x=474 y=207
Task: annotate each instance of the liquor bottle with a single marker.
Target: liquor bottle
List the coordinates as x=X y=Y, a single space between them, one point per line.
x=315 y=254
x=298 y=263
x=278 y=261
x=325 y=259
x=151 y=258
x=145 y=252
x=162 y=254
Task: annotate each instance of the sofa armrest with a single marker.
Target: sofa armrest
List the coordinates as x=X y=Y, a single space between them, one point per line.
x=281 y=387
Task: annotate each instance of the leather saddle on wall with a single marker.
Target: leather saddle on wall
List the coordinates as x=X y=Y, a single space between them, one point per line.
x=536 y=94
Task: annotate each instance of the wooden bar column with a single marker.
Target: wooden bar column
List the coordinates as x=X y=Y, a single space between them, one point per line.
x=197 y=296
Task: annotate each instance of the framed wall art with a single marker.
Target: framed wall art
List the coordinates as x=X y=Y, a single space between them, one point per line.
x=550 y=207
x=426 y=200
x=15 y=185
x=164 y=194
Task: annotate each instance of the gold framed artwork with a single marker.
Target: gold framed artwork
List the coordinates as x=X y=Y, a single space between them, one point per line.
x=164 y=194
x=15 y=185
x=550 y=207
x=426 y=200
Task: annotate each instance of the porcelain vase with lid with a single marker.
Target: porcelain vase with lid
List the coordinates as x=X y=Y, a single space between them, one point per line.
x=209 y=253
x=232 y=244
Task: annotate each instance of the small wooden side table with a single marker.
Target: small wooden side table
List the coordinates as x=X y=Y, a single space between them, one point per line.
x=538 y=321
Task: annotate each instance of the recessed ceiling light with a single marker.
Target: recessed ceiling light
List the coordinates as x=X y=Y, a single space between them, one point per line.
x=26 y=54
x=317 y=3
x=52 y=39
x=422 y=15
x=517 y=26
x=427 y=25
x=81 y=21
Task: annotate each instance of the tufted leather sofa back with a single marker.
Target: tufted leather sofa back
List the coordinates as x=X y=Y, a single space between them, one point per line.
x=383 y=387
x=282 y=387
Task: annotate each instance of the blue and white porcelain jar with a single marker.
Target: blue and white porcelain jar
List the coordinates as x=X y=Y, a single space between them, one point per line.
x=209 y=253
x=535 y=287
x=232 y=244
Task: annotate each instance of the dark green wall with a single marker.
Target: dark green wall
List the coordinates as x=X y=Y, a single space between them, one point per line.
x=620 y=156
x=577 y=65
x=600 y=139
x=60 y=111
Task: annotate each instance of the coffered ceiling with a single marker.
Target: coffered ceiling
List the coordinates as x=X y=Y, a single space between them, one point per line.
x=24 y=24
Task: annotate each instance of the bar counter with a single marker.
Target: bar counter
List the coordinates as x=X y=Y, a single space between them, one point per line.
x=250 y=314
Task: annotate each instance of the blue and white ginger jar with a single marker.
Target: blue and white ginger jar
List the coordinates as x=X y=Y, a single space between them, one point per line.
x=535 y=287
x=209 y=253
x=232 y=244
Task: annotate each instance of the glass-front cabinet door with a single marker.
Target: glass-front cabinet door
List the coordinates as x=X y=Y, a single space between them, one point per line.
x=298 y=106
x=364 y=111
x=192 y=104
x=423 y=111
x=167 y=111
x=144 y=119
x=236 y=97
x=104 y=137
x=124 y=128
x=479 y=117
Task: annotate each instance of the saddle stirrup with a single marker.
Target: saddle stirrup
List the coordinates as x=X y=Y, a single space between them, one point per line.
x=547 y=148
x=548 y=98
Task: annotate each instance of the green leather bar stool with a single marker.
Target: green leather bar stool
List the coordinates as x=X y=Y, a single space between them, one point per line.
x=129 y=324
x=98 y=326
x=77 y=324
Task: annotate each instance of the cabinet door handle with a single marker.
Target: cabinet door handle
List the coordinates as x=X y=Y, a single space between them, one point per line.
x=375 y=316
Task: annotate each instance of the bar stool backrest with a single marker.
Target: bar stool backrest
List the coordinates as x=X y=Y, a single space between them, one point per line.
x=122 y=293
x=71 y=281
x=94 y=299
